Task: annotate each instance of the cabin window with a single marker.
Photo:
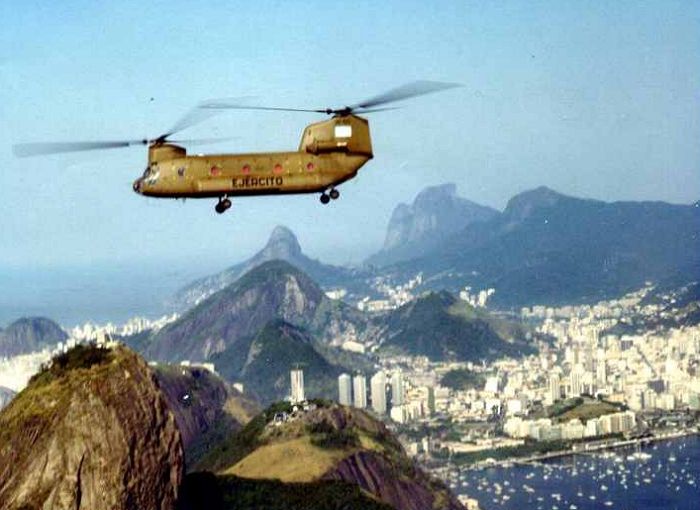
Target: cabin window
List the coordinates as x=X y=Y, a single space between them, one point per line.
x=343 y=131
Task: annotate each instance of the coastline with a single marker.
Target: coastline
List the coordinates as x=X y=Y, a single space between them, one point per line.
x=577 y=449
x=583 y=448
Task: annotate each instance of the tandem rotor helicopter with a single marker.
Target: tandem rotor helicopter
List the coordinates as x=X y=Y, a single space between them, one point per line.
x=330 y=153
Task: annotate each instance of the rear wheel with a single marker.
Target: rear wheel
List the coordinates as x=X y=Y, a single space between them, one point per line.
x=334 y=193
x=325 y=198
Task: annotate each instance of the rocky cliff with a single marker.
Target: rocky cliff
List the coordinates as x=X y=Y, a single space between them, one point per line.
x=206 y=408
x=91 y=432
x=436 y=212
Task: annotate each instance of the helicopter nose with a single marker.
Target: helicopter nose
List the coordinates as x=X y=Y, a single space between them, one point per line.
x=137 y=186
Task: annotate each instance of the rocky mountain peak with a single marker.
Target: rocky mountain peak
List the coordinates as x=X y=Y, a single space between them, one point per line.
x=434 y=196
x=523 y=204
x=436 y=212
x=282 y=244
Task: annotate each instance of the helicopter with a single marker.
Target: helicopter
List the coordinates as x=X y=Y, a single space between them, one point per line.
x=330 y=152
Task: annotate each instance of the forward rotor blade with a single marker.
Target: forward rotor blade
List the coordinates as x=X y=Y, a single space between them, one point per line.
x=413 y=89
x=194 y=116
x=24 y=150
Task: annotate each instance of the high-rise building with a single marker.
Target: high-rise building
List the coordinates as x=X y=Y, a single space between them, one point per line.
x=601 y=373
x=378 y=388
x=359 y=387
x=397 y=389
x=297 y=385
x=492 y=384
x=554 y=393
x=345 y=389
x=576 y=380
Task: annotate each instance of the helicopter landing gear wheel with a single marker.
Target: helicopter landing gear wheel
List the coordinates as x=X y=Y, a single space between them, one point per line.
x=325 y=198
x=222 y=206
x=334 y=194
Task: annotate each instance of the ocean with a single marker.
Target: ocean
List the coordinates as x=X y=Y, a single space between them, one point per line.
x=664 y=475
x=99 y=294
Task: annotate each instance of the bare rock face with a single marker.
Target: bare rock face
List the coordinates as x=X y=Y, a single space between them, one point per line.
x=206 y=408
x=412 y=490
x=386 y=472
x=94 y=432
x=436 y=213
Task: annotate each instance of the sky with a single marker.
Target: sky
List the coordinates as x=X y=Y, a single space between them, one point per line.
x=595 y=99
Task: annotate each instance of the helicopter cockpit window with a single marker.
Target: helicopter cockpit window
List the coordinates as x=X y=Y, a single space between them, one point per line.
x=343 y=131
x=151 y=174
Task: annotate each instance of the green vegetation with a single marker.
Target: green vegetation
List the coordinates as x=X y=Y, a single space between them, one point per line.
x=529 y=448
x=562 y=407
x=509 y=452
x=589 y=409
x=582 y=408
x=463 y=379
x=325 y=435
x=80 y=356
x=206 y=491
x=278 y=347
x=437 y=325
x=235 y=447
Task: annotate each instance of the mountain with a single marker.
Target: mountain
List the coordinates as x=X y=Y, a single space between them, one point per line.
x=207 y=410
x=91 y=432
x=549 y=248
x=313 y=452
x=263 y=364
x=28 y=335
x=414 y=230
x=442 y=327
x=98 y=429
x=674 y=307
x=282 y=245
x=235 y=314
x=6 y=395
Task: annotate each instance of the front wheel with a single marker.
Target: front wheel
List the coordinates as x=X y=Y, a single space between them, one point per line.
x=334 y=194
x=325 y=198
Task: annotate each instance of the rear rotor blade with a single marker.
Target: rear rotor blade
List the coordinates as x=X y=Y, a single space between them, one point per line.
x=24 y=150
x=413 y=89
x=203 y=141
x=222 y=104
x=372 y=110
